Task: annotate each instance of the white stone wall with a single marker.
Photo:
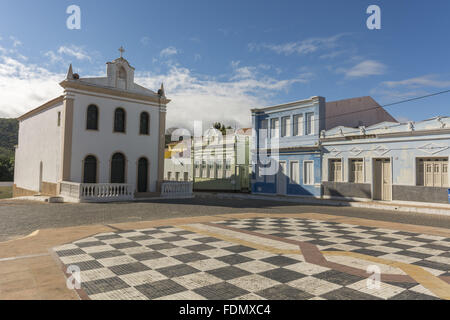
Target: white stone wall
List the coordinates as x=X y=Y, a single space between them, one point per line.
x=39 y=140
x=104 y=142
x=175 y=166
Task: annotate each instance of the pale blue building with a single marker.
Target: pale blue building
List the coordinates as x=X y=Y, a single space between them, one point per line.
x=388 y=161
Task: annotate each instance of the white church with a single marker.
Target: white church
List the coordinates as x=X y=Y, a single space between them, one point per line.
x=102 y=139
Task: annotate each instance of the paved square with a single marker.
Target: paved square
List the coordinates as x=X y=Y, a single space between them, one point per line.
x=260 y=258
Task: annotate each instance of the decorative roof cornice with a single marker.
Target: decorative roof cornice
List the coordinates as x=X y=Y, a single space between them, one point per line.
x=113 y=92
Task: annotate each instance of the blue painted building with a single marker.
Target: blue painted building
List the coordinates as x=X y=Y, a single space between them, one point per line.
x=286 y=154
x=286 y=148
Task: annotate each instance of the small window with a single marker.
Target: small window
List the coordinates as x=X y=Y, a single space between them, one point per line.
x=294 y=171
x=169 y=175
x=308 y=174
x=92 y=118
x=144 y=124
x=298 y=125
x=203 y=173
x=335 y=170
x=432 y=172
x=219 y=169
x=286 y=126
x=197 y=170
x=228 y=168
x=177 y=176
x=356 y=171
x=186 y=176
x=264 y=128
x=274 y=128
x=59 y=118
x=310 y=123
x=122 y=73
x=119 y=120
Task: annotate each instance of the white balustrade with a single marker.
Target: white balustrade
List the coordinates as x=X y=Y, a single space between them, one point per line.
x=97 y=192
x=177 y=189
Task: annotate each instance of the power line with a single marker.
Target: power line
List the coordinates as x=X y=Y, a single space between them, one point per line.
x=377 y=106
x=372 y=108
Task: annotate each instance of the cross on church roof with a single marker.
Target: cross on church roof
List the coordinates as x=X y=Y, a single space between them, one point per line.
x=121 y=50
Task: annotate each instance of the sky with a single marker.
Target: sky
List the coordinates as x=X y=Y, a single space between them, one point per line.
x=219 y=59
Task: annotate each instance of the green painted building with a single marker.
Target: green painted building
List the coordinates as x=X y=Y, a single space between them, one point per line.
x=222 y=162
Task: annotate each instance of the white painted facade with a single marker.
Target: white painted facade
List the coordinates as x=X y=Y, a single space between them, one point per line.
x=54 y=140
x=177 y=170
x=39 y=141
x=105 y=142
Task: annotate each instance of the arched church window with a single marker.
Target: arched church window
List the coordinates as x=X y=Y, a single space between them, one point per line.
x=90 y=169
x=119 y=120
x=92 y=118
x=122 y=73
x=118 y=168
x=144 y=123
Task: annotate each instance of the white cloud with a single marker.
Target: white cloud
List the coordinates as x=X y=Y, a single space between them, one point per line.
x=227 y=98
x=197 y=57
x=145 y=41
x=74 y=51
x=169 y=51
x=16 y=42
x=364 y=69
x=301 y=47
x=423 y=81
x=195 y=97
x=25 y=86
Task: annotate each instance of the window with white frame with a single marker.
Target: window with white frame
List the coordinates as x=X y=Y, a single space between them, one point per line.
x=298 y=125
x=310 y=123
x=203 y=169
x=169 y=175
x=228 y=168
x=294 y=172
x=210 y=172
x=219 y=169
x=356 y=171
x=432 y=172
x=308 y=172
x=264 y=128
x=286 y=126
x=197 y=169
x=274 y=128
x=177 y=176
x=186 y=176
x=335 y=170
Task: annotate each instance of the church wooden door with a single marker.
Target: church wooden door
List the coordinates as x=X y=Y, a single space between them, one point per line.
x=142 y=175
x=118 y=168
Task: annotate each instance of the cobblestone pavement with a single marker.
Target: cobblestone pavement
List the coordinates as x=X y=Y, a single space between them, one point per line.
x=19 y=218
x=261 y=258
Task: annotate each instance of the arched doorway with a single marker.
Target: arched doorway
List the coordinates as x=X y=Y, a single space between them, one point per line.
x=90 y=170
x=142 y=175
x=118 y=168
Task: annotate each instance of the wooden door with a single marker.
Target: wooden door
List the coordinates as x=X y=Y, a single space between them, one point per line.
x=386 y=180
x=281 y=178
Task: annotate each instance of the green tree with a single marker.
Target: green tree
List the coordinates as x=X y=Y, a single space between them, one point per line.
x=6 y=169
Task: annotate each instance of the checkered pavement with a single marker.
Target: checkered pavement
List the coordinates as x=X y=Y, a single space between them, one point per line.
x=173 y=263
